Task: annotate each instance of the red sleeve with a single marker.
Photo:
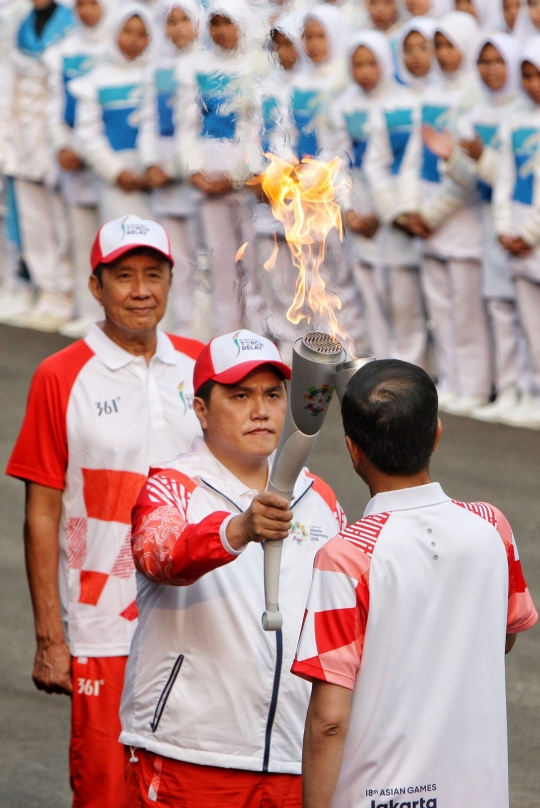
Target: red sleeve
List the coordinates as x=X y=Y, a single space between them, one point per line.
x=522 y=613
x=331 y=642
x=166 y=547
x=190 y=347
x=40 y=454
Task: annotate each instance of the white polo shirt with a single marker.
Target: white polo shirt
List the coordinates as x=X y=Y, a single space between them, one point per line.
x=410 y=608
x=97 y=418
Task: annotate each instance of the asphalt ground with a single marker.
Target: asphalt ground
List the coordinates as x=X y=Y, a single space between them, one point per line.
x=475 y=461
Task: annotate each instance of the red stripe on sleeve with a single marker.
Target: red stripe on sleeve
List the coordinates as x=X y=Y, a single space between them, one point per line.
x=40 y=454
x=189 y=347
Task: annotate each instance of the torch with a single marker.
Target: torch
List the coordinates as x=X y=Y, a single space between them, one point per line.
x=315 y=358
x=318 y=367
x=345 y=371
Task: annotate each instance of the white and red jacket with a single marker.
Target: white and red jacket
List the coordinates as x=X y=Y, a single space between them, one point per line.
x=204 y=682
x=97 y=418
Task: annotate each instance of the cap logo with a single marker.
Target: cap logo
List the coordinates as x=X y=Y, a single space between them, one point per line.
x=135 y=229
x=246 y=344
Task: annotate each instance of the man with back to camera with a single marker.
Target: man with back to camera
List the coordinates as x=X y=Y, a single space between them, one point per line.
x=210 y=711
x=408 y=618
x=99 y=413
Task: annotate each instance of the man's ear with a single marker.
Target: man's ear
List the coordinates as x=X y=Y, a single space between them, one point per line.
x=201 y=411
x=438 y=434
x=355 y=452
x=96 y=288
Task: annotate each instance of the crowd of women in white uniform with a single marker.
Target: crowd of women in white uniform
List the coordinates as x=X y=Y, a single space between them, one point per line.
x=167 y=109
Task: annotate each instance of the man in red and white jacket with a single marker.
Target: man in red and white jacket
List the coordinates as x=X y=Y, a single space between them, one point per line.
x=99 y=413
x=210 y=710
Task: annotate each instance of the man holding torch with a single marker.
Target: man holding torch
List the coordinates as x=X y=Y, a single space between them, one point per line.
x=210 y=713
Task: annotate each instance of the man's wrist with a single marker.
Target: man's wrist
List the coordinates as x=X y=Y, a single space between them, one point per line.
x=233 y=534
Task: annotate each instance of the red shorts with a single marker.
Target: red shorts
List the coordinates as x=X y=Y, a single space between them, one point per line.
x=96 y=758
x=152 y=780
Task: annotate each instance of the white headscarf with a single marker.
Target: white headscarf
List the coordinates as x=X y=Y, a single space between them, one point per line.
x=425 y=26
x=464 y=33
x=510 y=50
x=124 y=13
x=335 y=27
x=193 y=10
x=440 y=7
x=243 y=17
x=99 y=32
x=291 y=26
x=531 y=53
x=380 y=47
x=489 y=14
x=437 y=8
x=524 y=28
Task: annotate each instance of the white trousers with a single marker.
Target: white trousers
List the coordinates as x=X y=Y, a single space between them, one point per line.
x=227 y=226
x=83 y=225
x=183 y=237
x=508 y=340
x=44 y=233
x=338 y=273
x=115 y=203
x=370 y=282
x=407 y=320
x=453 y=293
x=528 y=297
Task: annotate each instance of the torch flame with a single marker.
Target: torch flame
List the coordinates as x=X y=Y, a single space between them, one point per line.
x=241 y=251
x=271 y=262
x=304 y=197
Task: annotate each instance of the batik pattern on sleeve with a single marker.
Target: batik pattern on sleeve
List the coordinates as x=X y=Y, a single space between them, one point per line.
x=167 y=548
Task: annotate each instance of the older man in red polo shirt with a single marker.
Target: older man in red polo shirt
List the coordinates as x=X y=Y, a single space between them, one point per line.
x=99 y=413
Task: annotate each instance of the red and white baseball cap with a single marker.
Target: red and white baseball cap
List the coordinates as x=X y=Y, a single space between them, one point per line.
x=119 y=236
x=229 y=359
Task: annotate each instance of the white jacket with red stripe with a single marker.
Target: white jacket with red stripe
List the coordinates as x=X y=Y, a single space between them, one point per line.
x=204 y=682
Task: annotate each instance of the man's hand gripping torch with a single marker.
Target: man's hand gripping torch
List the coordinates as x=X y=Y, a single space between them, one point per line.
x=319 y=366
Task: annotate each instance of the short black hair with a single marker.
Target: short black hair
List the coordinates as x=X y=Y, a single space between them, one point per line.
x=98 y=271
x=390 y=411
x=205 y=391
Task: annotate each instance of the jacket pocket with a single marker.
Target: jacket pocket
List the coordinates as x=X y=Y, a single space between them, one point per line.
x=166 y=692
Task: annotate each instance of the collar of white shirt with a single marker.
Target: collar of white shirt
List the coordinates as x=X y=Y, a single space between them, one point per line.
x=405 y=499
x=115 y=357
x=220 y=477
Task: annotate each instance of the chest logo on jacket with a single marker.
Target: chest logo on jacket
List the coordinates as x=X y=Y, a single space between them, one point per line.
x=185 y=398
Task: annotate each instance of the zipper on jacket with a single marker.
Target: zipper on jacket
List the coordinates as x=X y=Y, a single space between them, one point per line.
x=273 y=700
x=166 y=692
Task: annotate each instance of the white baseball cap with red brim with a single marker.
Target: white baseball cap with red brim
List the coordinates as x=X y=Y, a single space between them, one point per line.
x=230 y=358
x=119 y=236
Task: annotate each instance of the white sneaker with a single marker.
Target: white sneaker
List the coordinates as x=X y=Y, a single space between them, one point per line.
x=14 y=304
x=506 y=402
x=464 y=405
x=52 y=310
x=525 y=415
x=77 y=328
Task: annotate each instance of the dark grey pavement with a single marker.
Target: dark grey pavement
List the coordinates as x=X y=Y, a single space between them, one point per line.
x=474 y=462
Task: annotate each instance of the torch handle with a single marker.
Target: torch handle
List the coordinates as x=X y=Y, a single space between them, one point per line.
x=290 y=459
x=272 y=619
